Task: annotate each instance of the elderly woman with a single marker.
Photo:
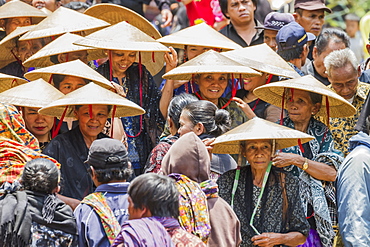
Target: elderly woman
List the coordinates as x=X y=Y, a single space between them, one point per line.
x=265 y=198
x=315 y=162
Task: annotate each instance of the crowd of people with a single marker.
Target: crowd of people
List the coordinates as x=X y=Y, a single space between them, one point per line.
x=234 y=131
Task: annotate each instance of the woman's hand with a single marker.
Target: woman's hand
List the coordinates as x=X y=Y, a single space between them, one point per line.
x=171 y=59
x=267 y=239
x=287 y=159
x=245 y=107
x=208 y=143
x=119 y=89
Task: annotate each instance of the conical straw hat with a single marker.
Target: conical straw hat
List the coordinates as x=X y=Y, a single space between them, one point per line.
x=61 y=21
x=63 y=44
x=8 y=43
x=92 y=94
x=125 y=37
x=262 y=58
x=258 y=129
x=209 y=62
x=73 y=68
x=36 y=93
x=199 y=35
x=17 y=8
x=9 y=81
x=113 y=14
x=338 y=106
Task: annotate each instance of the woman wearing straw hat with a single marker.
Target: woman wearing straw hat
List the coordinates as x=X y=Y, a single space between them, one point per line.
x=315 y=162
x=265 y=198
x=92 y=107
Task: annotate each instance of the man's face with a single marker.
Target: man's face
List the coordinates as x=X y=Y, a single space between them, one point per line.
x=344 y=81
x=352 y=28
x=319 y=58
x=270 y=38
x=311 y=20
x=240 y=11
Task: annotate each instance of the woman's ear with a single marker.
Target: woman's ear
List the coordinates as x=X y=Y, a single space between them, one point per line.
x=316 y=108
x=199 y=129
x=61 y=57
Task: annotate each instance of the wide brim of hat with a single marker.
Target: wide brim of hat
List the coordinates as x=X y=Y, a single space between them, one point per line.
x=262 y=58
x=338 y=106
x=92 y=94
x=199 y=35
x=63 y=44
x=14 y=9
x=73 y=68
x=9 y=81
x=114 y=14
x=209 y=62
x=258 y=129
x=61 y=21
x=36 y=93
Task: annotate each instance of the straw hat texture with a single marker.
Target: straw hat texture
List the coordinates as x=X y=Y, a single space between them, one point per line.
x=262 y=58
x=125 y=37
x=209 y=62
x=338 y=106
x=73 y=68
x=61 y=21
x=36 y=93
x=199 y=35
x=92 y=94
x=17 y=8
x=63 y=44
x=9 y=81
x=114 y=14
x=258 y=129
x=8 y=43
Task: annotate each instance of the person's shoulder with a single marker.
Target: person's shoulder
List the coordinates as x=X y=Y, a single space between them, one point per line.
x=363 y=89
x=226 y=29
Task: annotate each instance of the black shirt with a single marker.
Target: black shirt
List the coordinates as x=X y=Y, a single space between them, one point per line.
x=312 y=71
x=230 y=32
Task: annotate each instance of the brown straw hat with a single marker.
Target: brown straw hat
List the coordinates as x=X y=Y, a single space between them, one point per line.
x=9 y=81
x=63 y=44
x=92 y=94
x=258 y=129
x=36 y=93
x=61 y=21
x=125 y=37
x=338 y=106
x=73 y=68
x=17 y=8
x=114 y=14
x=199 y=35
x=263 y=58
x=209 y=62
x=8 y=43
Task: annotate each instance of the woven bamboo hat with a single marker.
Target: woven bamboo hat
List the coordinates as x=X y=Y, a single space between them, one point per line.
x=61 y=21
x=209 y=62
x=262 y=58
x=199 y=35
x=63 y=44
x=92 y=94
x=17 y=8
x=258 y=129
x=338 y=106
x=9 y=81
x=36 y=93
x=73 y=68
x=114 y=14
x=8 y=43
x=125 y=37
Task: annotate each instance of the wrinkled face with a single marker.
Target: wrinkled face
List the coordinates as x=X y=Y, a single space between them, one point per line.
x=311 y=20
x=344 y=81
x=193 y=51
x=252 y=83
x=270 y=38
x=51 y=5
x=12 y=23
x=39 y=125
x=27 y=48
x=258 y=153
x=212 y=86
x=351 y=28
x=71 y=83
x=92 y=126
x=121 y=61
x=186 y=125
x=240 y=11
x=300 y=106
x=319 y=58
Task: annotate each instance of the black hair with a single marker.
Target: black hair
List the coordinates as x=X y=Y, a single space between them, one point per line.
x=54 y=59
x=291 y=54
x=331 y=34
x=104 y=176
x=177 y=104
x=215 y=121
x=224 y=3
x=40 y=175
x=77 y=107
x=57 y=79
x=315 y=98
x=156 y=192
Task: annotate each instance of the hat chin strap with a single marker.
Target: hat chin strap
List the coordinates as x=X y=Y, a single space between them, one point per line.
x=56 y=130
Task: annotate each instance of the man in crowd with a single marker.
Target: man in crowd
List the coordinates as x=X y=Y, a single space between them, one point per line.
x=242 y=22
x=341 y=67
